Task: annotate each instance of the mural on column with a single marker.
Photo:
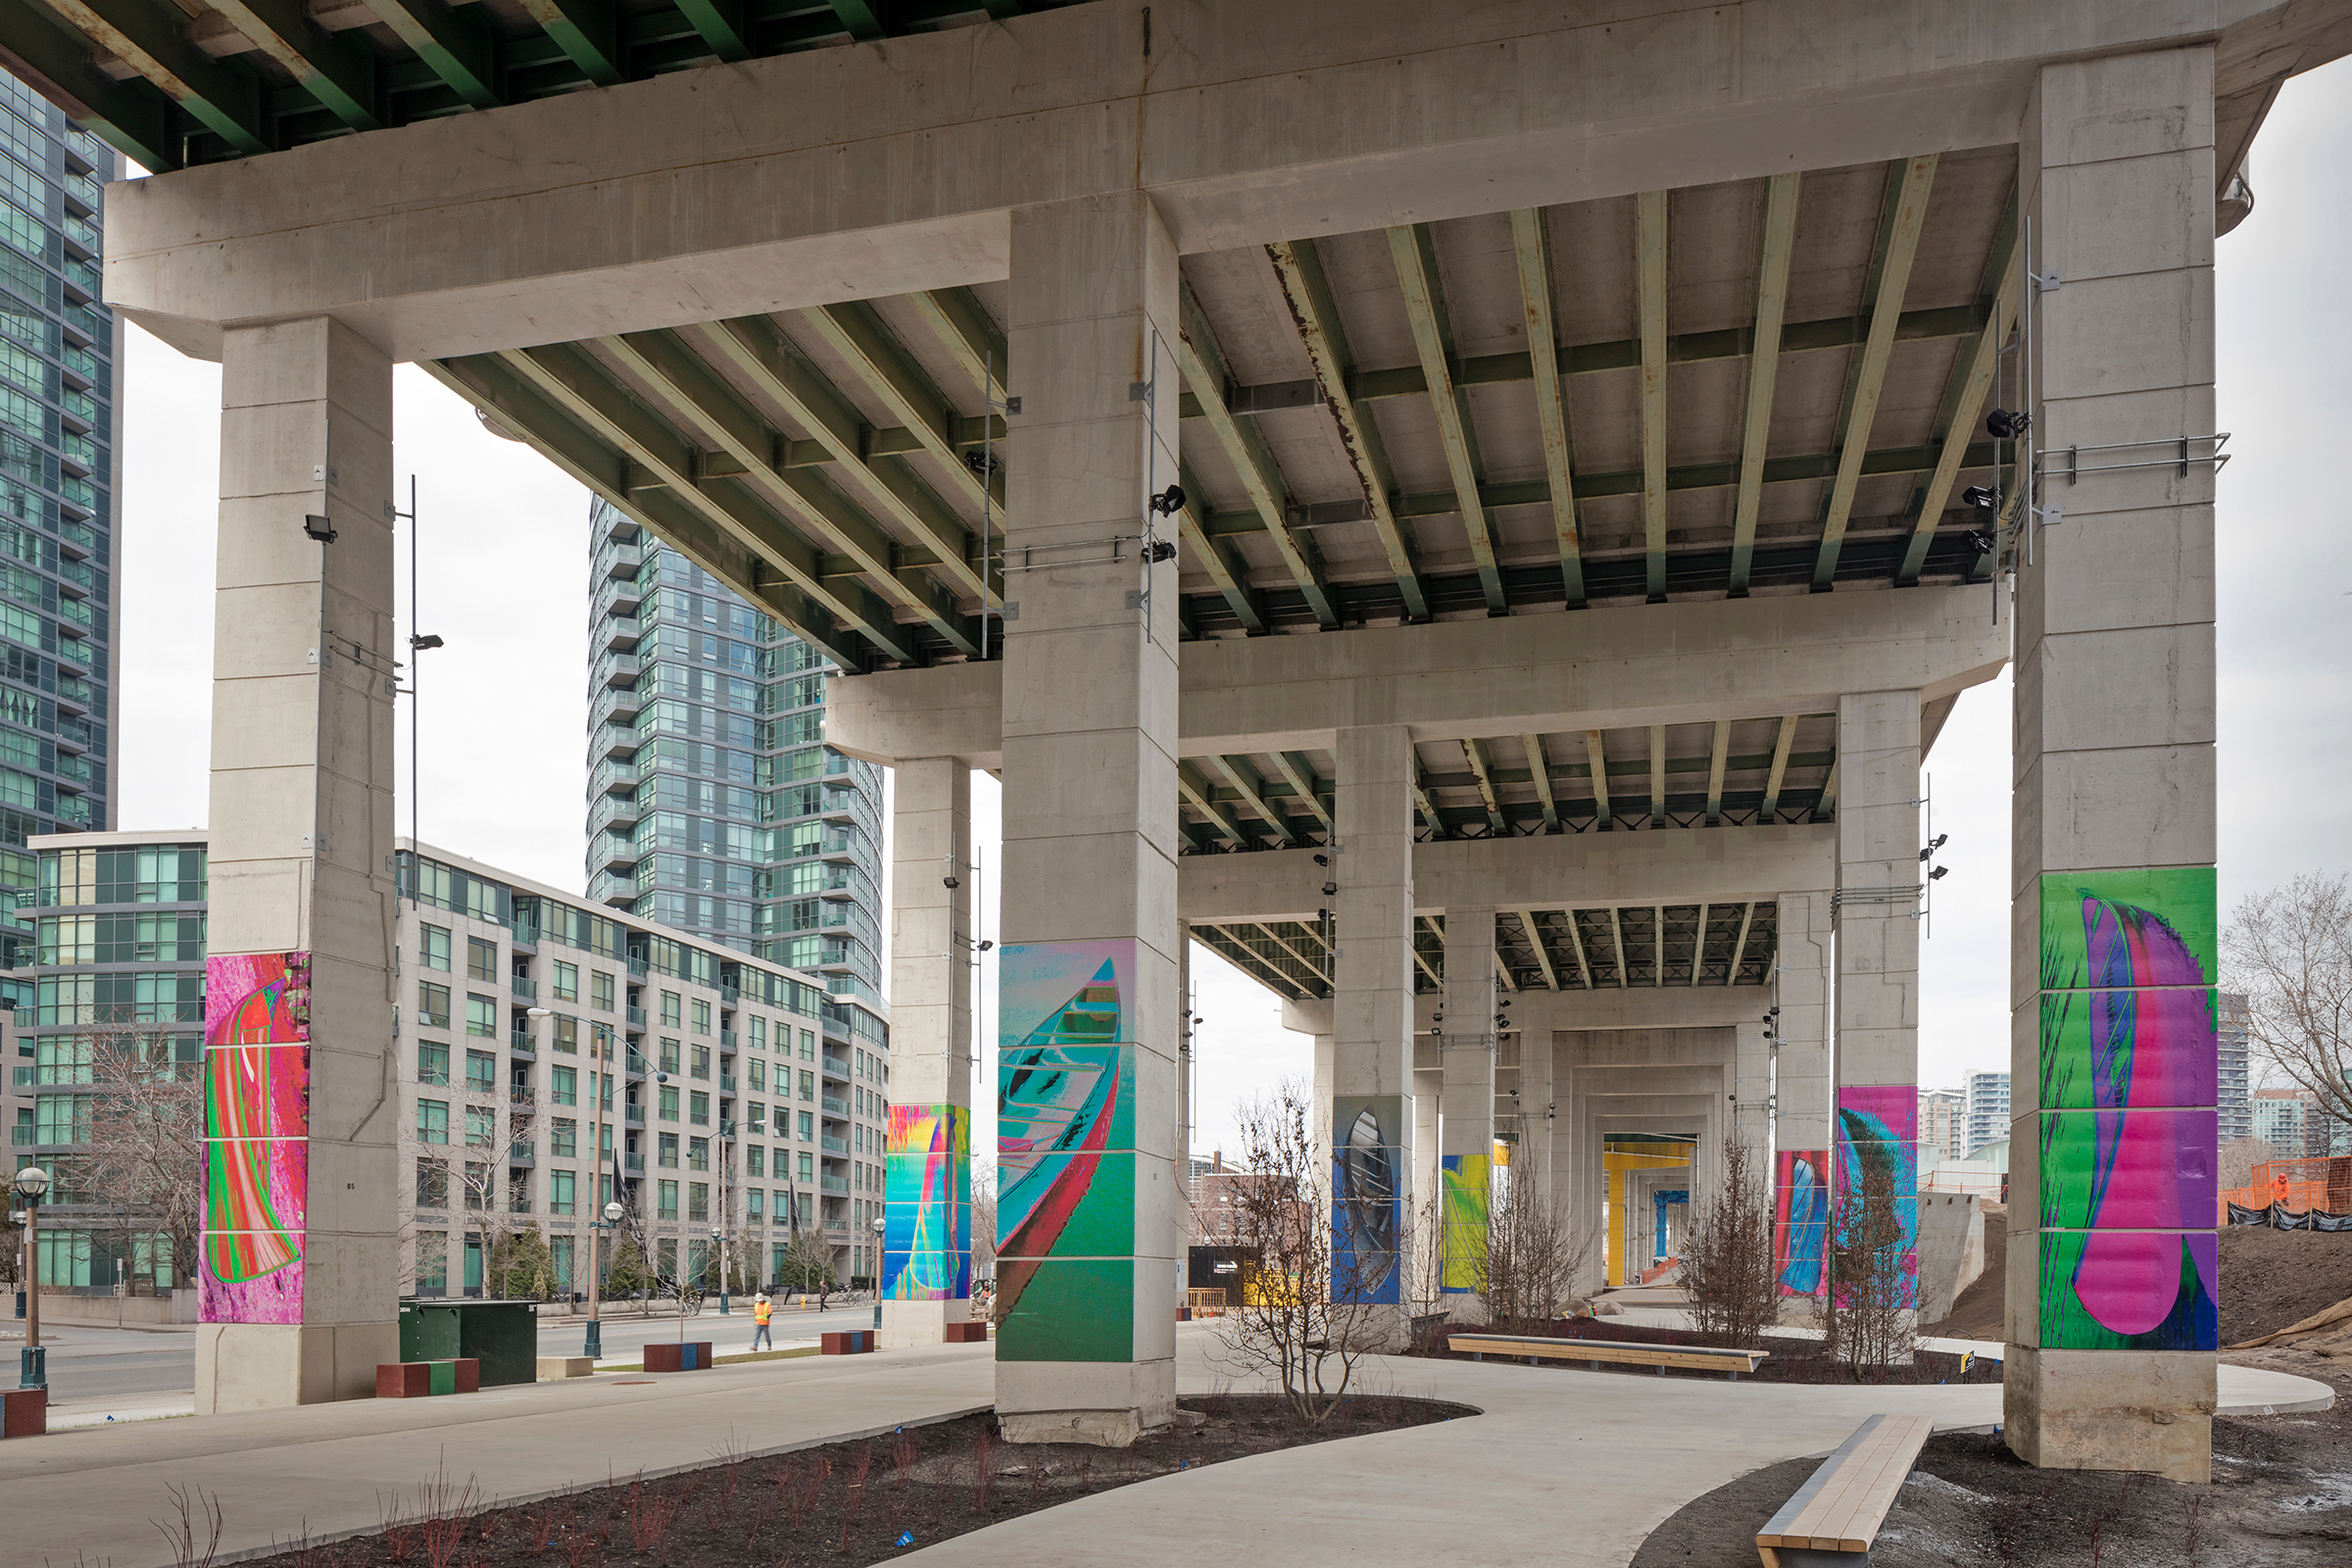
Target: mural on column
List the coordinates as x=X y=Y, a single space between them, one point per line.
x=257 y=1114
x=1466 y=1181
x=1368 y=1201
x=926 y=1204
x=1065 y=1151
x=1801 y=1216
x=1878 y=1137
x=2128 y=1133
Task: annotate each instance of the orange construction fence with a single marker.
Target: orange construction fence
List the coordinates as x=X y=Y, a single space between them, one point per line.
x=2297 y=1185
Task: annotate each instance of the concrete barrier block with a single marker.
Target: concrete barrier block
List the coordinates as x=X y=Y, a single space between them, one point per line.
x=694 y=1356
x=26 y=1413
x=554 y=1368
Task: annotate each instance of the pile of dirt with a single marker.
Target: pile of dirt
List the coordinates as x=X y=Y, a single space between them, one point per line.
x=2280 y=1495
x=1793 y=1360
x=841 y=1505
x=1977 y=1313
x=2271 y=1278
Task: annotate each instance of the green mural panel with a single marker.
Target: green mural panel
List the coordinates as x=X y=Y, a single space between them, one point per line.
x=2185 y=898
x=1075 y=1310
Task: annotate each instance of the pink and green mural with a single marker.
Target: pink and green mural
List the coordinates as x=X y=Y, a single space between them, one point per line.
x=927 y=1207
x=2127 y=1129
x=1065 y=1151
x=1368 y=1197
x=1800 y=1220
x=257 y=1094
x=1877 y=1150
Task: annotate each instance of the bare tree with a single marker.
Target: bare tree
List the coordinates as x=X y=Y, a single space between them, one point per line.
x=1727 y=1263
x=1868 y=1309
x=2291 y=951
x=145 y=1156
x=1532 y=1258
x=1303 y=1318
x=984 y=1221
x=494 y=1208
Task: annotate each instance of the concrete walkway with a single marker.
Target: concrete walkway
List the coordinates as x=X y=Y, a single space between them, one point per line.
x=1563 y=1467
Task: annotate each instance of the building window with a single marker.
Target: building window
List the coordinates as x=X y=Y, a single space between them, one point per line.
x=564 y=1085
x=808 y=1045
x=432 y=948
x=433 y=1262
x=600 y=991
x=564 y=1139
x=669 y=1105
x=665 y=1200
x=702 y=1016
x=669 y=1055
x=702 y=1061
x=808 y=1171
x=808 y=1124
x=698 y=1200
x=433 y=1062
x=757 y=1115
x=759 y=1077
x=565 y=1030
x=697 y=1153
x=669 y=1009
x=757 y=1033
x=667 y=1156
x=698 y=1109
x=432 y=1184
x=808 y=1085
x=567 y=981
x=755 y=1163
x=560 y=1188
x=481 y=1126
x=754 y=1203
x=481 y=1072
x=481 y=1017
x=432 y=1121
x=432 y=1006
x=481 y=959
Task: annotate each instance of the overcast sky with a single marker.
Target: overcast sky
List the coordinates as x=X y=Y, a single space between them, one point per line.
x=504 y=540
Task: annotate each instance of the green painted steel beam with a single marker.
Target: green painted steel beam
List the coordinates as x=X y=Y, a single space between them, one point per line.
x=1763 y=368
x=339 y=71
x=722 y=26
x=1414 y=251
x=568 y=377
x=1222 y=562
x=1250 y=790
x=1531 y=245
x=1196 y=794
x=584 y=31
x=603 y=467
x=132 y=117
x=862 y=18
x=876 y=357
x=456 y=45
x=1298 y=269
x=223 y=96
x=1971 y=378
x=965 y=330
x=1300 y=775
x=718 y=417
x=1201 y=362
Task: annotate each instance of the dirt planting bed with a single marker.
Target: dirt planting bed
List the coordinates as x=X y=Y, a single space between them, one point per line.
x=1793 y=1360
x=842 y=1505
x=2281 y=1497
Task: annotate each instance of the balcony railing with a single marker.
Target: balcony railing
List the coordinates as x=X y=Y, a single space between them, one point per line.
x=524 y=987
x=634 y=1164
x=834 y=1108
x=726 y=1083
x=635 y=1114
x=834 y=1145
x=836 y=1185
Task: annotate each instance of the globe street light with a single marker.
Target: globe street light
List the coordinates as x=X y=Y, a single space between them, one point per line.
x=32 y=1371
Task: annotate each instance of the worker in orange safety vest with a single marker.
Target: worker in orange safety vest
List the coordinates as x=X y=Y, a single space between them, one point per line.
x=760 y=1313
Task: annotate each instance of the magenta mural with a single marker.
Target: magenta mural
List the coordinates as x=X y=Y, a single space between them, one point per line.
x=257 y=1096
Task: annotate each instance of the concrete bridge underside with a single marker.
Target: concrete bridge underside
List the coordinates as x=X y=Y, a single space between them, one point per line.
x=1579 y=428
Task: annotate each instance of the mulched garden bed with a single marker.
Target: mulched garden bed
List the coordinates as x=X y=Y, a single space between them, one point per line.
x=2281 y=1497
x=842 y=1505
x=1793 y=1360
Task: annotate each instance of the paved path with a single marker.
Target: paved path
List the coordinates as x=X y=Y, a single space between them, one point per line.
x=1563 y=1467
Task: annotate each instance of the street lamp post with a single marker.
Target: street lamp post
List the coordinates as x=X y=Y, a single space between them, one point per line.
x=613 y=1212
x=877 y=1274
x=718 y=1248
x=32 y=1371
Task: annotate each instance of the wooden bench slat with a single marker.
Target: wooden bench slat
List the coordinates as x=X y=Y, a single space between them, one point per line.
x=1696 y=1357
x=1840 y=1507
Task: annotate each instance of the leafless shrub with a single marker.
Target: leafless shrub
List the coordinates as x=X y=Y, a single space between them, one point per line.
x=194 y=1537
x=1532 y=1256
x=1727 y=1263
x=2289 y=948
x=650 y=1515
x=443 y=1510
x=1867 y=1308
x=1303 y=1316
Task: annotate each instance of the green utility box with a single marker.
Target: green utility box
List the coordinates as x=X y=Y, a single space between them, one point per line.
x=504 y=1336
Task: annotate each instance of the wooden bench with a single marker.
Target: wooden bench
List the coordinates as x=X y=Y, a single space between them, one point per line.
x=1683 y=1357
x=1835 y=1515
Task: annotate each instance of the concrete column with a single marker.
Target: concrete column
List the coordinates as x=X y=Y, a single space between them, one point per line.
x=927 y=1185
x=299 y=1273
x=1086 y=1030
x=1188 y=1043
x=1877 y=1002
x=2112 y=1282
x=1468 y=1125
x=1423 y=1217
x=1802 y=1091
x=1370 y=1126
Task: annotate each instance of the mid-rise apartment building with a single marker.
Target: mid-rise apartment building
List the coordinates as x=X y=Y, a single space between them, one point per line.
x=2291 y=1122
x=1940 y=1122
x=1984 y=1112
x=723 y=1099
x=713 y=806
x=60 y=476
